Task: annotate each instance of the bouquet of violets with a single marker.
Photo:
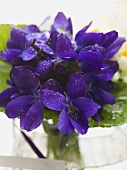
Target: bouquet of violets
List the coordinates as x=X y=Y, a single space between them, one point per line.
x=56 y=75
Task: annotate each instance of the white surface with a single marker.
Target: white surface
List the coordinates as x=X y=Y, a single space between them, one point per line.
x=6 y=137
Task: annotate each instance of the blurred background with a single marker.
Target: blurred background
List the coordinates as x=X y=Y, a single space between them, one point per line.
x=109 y=14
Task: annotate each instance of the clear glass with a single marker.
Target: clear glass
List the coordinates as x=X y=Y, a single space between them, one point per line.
x=100 y=147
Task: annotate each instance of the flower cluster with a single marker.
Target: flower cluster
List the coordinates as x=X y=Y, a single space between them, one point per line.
x=52 y=70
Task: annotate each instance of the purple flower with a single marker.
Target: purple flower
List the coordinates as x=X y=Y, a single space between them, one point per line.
x=41 y=44
x=30 y=29
x=64 y=48
x=64 y=51
x=75 y=108
x=94 y=61
x=22 y=99
x=33 y=34
x=7 y=95
x=99 y=90
x=16 y=47
x=44 y=69
x=110 y=42
x=61 y=23
x=91 y=59
x=95 y=50
x=55 y=71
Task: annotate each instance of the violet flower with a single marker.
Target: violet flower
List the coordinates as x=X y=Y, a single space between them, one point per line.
x=99 y=90
x=22 y=100
x=30 y=29
x=109 y=42
x=51 y=69
x=62 y=24
x=64 y=51
x=75 y=108
x=95 y=50
x=39 y=39
x=16 y=47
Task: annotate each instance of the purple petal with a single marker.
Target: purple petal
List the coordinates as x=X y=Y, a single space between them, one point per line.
x=45 y=36
x=33 y=117
x=53 y=85
x=81 y=33
x=94 y=48
x=30 y=38
x=64 y=48
x=85 y=39
x=64 y=124
x=30 y=29
x=87 y=106
x=5 y=96
x=45 y=48
x=62 y=22
x=61 y=69
x=19 y=62
x=53 y=39
x=105 y=74
x=28 y=54
x=105 y=85
x=114 y=47
x=24 y=79
x=95 y=117
x=103 y=97
x=19 y=36
x=12 y=44
x=9 y=54
x=19 y=106
x=80 y=123
x=38 y=36
x=90 y=39
x=90 y=61
x=44 y=69
x=76 y=86
x=109 y=38
x=52 y=100
x=69 y=27
x=113 y=65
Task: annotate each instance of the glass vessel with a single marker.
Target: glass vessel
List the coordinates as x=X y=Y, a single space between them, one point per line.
x=100 y=147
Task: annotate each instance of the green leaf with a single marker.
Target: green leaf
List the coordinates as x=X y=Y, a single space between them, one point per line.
x=120 y=90
x=114 y=115
x=4 y=74
x=5 y=67
x=4 y=35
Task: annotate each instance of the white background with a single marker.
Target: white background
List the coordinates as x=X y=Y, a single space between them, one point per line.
x=81 y=11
